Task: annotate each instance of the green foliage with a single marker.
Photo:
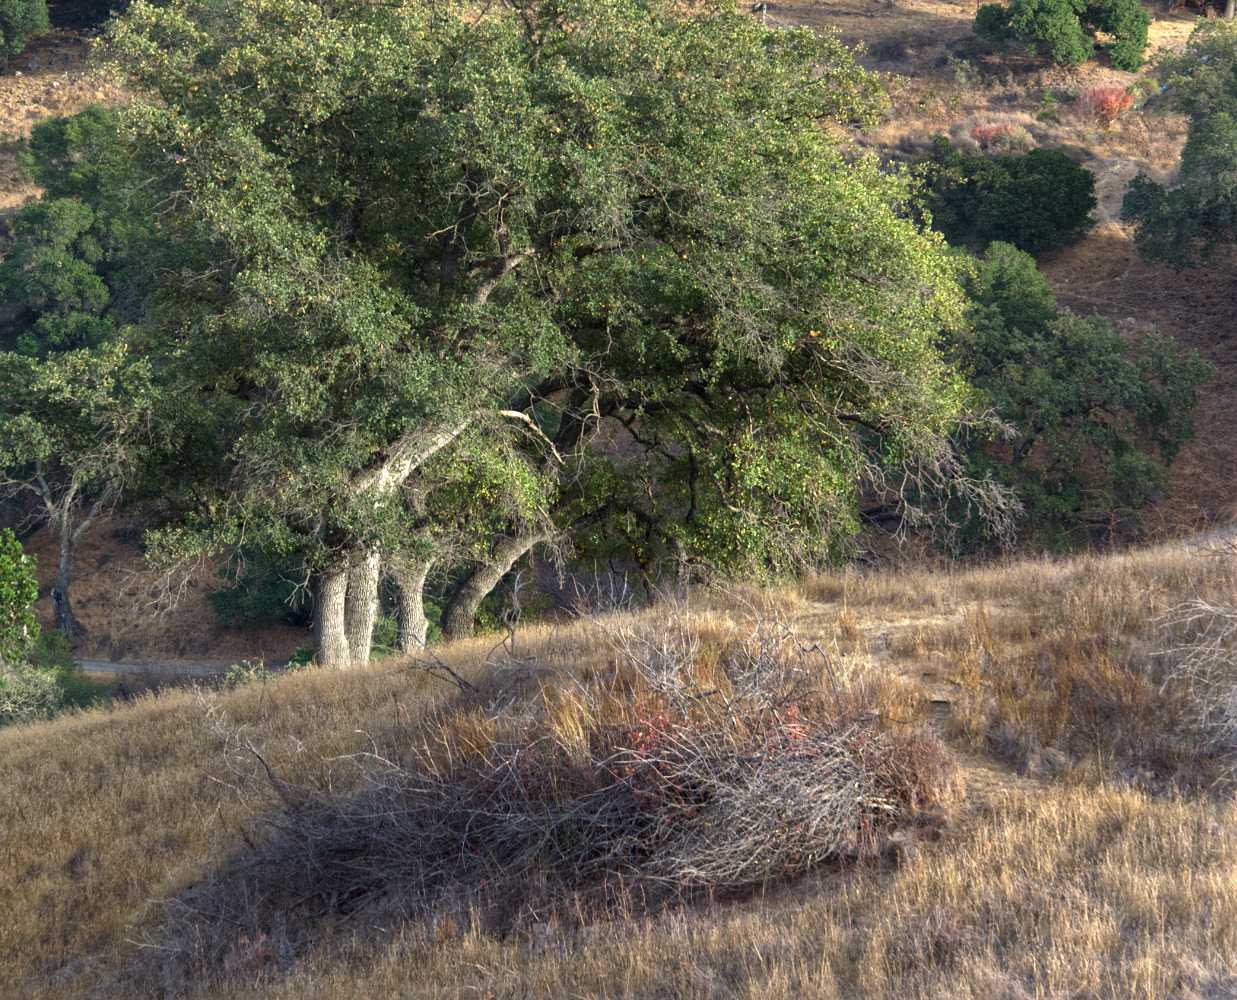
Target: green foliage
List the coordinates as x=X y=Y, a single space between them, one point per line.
x=260 y=592
x=1048 y=108
x=386 y=635
x=1126 y=22
x=1037 y=201
x=402 y=227
x=18 y=591
x=1184 y=226
x=18 y=19
x=301 y=657
x=1054 y=26
x=27 y=694
x=1092 y=420
x=50 y=654
x=81 y=256
x=1066 y=29
x=246 y=672
x=992 y=22
x=39 y=677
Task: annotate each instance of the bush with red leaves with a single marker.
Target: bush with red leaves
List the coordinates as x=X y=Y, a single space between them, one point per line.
x=1105 y=104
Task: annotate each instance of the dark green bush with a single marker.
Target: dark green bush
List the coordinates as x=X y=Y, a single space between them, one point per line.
x=1051 y=25
x=1127 y=22
x=260 y=593
x=18 y=19
x=1066 y=29
x=1037 y=201
x=81 y=255
x=1094 y=421
x=992 y=23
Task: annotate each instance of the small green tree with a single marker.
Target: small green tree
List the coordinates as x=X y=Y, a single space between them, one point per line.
x=1037 y=201
x=1185 y=225
x=18 y=20
x=18 y=591
x=74 y=430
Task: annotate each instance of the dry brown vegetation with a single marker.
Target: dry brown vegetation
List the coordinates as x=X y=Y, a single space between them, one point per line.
x=1085 y=845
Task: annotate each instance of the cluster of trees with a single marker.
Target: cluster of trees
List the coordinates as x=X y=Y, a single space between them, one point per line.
x=1091 y=421
x=378 y=291
x=363 y=293
x=1185 y=225
x=1067 y=29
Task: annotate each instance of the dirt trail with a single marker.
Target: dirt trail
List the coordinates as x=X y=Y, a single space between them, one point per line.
x=157 y=669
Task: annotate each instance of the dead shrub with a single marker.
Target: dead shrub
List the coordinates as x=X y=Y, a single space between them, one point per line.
x=1202 y=660
x=988 y=134
x=684 y=770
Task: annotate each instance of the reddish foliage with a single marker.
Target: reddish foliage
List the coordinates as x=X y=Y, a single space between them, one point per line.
x=1104 y=104
x=985 y=133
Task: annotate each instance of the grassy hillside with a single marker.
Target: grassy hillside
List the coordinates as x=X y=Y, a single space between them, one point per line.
x=1082 y=841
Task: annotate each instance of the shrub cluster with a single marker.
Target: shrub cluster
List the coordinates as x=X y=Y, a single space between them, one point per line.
x=1037 y=201
x=1092 y=421
x=1067 y=28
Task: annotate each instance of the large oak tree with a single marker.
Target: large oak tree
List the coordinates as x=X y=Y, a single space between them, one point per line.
x=581 y=234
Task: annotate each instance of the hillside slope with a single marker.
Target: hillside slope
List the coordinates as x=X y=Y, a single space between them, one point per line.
x=1077 y=850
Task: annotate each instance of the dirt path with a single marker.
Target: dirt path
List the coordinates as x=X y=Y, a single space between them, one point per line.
x=157 y=669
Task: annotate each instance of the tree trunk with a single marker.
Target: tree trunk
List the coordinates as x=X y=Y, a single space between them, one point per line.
x=1230 y=9
x=410 y=586
x=62 y=609
x=330 y=635
x=361 y=603
x=459 y=615
x=60 y=509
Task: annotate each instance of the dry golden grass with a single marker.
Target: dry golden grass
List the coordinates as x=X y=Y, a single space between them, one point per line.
x=1095 y=882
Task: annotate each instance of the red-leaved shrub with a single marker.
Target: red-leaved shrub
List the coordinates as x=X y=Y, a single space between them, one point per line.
x=985 y=133
x=1105 y=104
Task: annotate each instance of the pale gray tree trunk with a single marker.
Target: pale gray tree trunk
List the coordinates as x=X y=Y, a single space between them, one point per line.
x=330 y=632
x=60 y=504
x=409 y=577
x=361 y=603
x=459 y=615
x=1230 y=9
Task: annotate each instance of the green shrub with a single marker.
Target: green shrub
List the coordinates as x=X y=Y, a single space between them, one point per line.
x=1052 y=25
x=1127 y=22
x=1066 y=29
x=992 y=23
x=1094 y=421
x=27 y=694
x=1037 y=201
x=386 y=635
x=81 y=255
x=259 y=593
x=246 y=672
x=38 y=676
x=301 y=657
x=18 y=591
x=18 y=19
